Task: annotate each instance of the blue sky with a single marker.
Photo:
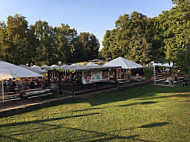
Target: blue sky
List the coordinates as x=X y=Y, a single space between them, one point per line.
x=94 y=16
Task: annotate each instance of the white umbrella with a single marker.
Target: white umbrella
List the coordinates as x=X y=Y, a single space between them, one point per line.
x=124 y=63
x=8 y=70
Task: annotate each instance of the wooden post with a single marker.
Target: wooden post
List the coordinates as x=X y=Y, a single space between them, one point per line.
x=59 y=82
x=115 y=70
x=72 y=83
x=3 y=94
x=49 y=78
x=154 y=75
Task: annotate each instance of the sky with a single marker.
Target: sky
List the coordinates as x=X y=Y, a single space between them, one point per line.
x=93 y=16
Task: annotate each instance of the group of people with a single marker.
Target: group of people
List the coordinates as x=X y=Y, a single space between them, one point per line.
x=14 y=85
x=171 y=80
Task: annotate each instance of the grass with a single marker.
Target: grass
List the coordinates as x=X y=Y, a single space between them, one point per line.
x=145 y=113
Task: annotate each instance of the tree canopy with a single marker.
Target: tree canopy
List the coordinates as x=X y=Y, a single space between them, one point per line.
x=144 y=39
x=42 y=43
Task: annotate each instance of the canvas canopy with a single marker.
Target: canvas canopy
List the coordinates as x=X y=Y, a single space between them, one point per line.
x=91 y=64
x=45 y=67
x=163 y=64
x=34 y=69
x=54 y=66
x=8 y=70
x=124 y=63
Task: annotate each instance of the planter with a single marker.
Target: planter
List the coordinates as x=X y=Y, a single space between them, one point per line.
x=148 y=79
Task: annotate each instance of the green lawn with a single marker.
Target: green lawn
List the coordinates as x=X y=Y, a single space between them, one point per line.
x=144 y=113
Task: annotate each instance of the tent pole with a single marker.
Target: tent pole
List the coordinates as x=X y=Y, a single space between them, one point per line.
x=154 y=75
x=3 y=94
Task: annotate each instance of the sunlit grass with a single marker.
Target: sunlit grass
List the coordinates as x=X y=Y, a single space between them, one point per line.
x=145 y=113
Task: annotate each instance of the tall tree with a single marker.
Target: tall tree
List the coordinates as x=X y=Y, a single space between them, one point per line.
x=91 y=45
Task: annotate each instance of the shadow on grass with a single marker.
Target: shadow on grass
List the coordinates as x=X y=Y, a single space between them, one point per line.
x=154 y=125
x=141 y=103
x=5 y=138
x=87 y=109
x=169 y=96
x=139 y=92
x=46 y=120
x=90 y=136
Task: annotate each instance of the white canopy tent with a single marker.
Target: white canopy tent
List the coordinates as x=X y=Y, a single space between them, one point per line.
x=91 y=64
x=8 y=70
x=124 y=63
x=167 y=65
x=34 y=69
x=163 y=64
x=45 y=67
x=54 y=66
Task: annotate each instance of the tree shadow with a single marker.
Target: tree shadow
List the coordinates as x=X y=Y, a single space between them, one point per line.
x=87 y=109
x=168 y=96
x=138 y=92
x=154 y=125
x=8 y=138
x=141 y=103
x=46 y=120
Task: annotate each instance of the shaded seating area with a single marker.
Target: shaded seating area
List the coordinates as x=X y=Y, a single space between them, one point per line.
x=129 y=71
x=19 y=83
x=26 y=94
x=78 y=79
x=164 y=76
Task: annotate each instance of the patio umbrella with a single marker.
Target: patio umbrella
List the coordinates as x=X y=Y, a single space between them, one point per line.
x=8 y=70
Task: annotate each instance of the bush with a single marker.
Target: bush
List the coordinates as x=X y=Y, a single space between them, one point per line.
x=148 y=72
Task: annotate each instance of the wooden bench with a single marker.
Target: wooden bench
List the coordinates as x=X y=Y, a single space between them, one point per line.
x=41 y=95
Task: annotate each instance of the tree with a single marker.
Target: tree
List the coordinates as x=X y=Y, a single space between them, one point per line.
x=91 y=45
x=183 y=61
x=2 y=40
x=175 y=25
x=130 y=39
x=16 y=41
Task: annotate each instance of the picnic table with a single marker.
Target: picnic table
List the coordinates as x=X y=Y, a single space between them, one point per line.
x=37 y=93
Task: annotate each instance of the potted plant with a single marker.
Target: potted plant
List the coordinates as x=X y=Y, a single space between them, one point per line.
x=148 y=72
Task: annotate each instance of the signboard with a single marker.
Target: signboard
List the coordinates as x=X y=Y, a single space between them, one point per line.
x=94 y=76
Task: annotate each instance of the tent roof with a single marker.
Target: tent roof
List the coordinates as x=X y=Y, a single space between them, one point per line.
x=8 y=70
x=163 y=64
x=83 y=67
x=34 y=69
x=45 y=66
x=124 y=63
x=91 y=64
x=87 y=68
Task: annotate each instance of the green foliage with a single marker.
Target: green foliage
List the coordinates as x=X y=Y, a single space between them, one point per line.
x=183 y=61
x=135 y=37
x=43 y=44
x=143 y=39
x=179 y=1
x=91 y=45
x=148 y=72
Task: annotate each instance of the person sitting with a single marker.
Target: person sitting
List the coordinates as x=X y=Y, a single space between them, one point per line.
x=169 y=80
x=13 y=86
x=184 y=83
x=32 y=85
